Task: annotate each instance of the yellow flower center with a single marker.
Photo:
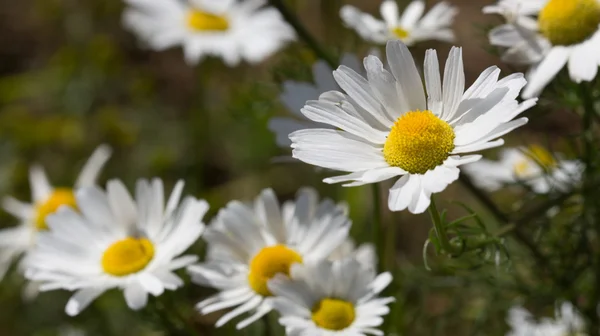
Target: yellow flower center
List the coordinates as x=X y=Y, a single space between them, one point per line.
x=333 y=314
x=59 y=197
x=400 y=33
x=419 y=141
x=268 y=262
x=203 y=21
x=127 y=256
x=566 y=22
x=537 y=153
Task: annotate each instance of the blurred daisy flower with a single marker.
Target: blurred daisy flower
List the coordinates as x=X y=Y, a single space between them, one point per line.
x=386 y=127
x=533 y=165
x=411 y=27
x=365 y=253
x=116 y=242
x=296 y=94
x=233 y=30
x=331 y=298
x=549 y=35
x=46 y=199
x=566 y=322
x=249 y=244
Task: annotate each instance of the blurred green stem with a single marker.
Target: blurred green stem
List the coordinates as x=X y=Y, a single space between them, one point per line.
x=303 y=33
x=440 y=230
x=377 y=227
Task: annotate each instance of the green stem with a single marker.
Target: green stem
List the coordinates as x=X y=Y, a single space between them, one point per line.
x=377 y=228
x=440 y=230
x=303 y=33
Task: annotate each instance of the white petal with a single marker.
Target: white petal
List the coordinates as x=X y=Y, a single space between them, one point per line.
x=454 y=83
x=412 y=14
x=405 y=71
x=93 y=166
x=583 y=63
x=546 y=70
x=389 y=12
x=135 y=296
x=40 y=187
x=433 y=83
x=81 y=299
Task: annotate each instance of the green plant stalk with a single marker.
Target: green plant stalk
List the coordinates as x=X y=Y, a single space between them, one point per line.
x=377 y=228
x=303 y=33
x=589 y=208
x=440 y=230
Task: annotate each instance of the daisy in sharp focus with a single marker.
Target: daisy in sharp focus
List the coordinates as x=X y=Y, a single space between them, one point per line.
x=386 y=127
x=331 y=298
x=116 y=242
x=533 y=165
x=249 y=244
x=233 y=30
x=411 y=27
x=567 y=321
x=46 y=199
x=549 y=35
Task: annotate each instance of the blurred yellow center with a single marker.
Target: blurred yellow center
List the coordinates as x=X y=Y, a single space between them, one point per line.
x=333 y=314
x=268 y=262
x=419 y=141
x=59 y=197
x=127 y=256
x=202 y=21
x=400 y=33
x=537 y=153
x=566 y=22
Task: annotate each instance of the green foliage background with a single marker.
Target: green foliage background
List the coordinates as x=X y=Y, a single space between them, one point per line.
x=71 y=78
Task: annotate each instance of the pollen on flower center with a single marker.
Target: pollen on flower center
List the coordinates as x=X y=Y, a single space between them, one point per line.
x=419 y=141
x=537 y=153
x=566 y=22
x=59 y=197
x=127 y=256
x=400 y=33
x=268 y=262
x=333 y=314
x=203 y=21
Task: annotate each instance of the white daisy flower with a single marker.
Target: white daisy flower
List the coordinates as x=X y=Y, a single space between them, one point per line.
x=116 y=242
x=249 y=244
x=234 y=30
x=331 y=298
x=296 y=94
x=46 y=199
x=549 y=35
x=411 y=27
x=365 y=253
x=386 y=127
x=533 y=165
x=567 y=321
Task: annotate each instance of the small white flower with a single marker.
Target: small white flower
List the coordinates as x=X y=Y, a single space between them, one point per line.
x=116 y=242
x=365 y=253
x=46 y=199
x=296 y=94
x=386 y=127
x=566 y=322
x=534 y=165
x=331 y=298
x=250 y=244
x=411 y=27
x=549 y=35
x=231 y=29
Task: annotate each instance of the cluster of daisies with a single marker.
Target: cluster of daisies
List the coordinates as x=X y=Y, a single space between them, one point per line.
x=295 y=257
x=383 y=120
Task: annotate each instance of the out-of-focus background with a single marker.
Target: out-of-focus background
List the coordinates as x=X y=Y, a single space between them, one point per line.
x=72 y=78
